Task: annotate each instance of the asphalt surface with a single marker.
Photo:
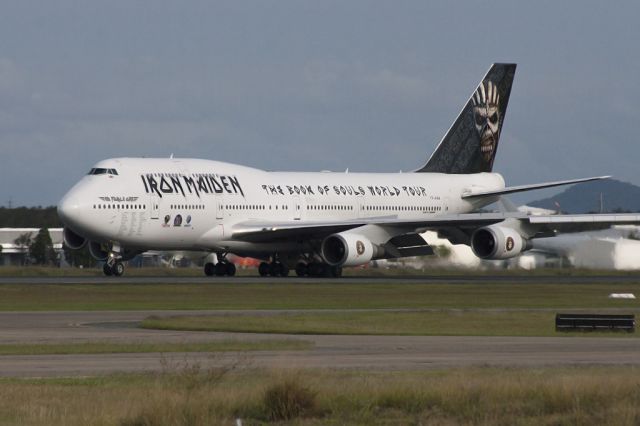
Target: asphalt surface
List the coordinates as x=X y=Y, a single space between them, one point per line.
x=359 y=352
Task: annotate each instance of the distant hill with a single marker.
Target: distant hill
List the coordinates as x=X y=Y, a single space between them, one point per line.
x=584 y=198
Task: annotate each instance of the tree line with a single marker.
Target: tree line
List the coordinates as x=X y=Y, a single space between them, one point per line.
x=29 y=217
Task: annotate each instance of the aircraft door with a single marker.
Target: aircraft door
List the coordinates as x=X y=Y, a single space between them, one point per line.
x=297 y=208
x=154 y=206
x=219 y=206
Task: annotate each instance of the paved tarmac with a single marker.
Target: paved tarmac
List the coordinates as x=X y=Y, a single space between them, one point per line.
x=359 y=352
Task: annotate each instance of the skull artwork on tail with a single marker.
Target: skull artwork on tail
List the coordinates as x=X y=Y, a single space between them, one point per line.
x=486 y=112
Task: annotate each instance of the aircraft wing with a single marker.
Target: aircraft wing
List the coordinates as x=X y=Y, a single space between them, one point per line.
x=255 y=231
x=522 y=188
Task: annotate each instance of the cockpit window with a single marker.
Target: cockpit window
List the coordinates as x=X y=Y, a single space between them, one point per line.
x=101 y=171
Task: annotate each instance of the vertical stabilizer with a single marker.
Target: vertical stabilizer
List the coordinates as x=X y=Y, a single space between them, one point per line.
x=471 y=143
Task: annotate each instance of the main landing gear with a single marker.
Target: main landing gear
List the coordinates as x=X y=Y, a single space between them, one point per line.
x=274 y=269
x=317 y=269
x=222 y=268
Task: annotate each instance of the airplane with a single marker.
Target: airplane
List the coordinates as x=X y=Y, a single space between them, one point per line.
x=317 y=223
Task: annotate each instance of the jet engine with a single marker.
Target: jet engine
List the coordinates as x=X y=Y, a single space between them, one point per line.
x=498 y=242
x=73 y=240
x=347 y=249
x=98 y=251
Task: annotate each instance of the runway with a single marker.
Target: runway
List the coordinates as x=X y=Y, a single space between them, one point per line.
x=391 y=279
x=359 y=352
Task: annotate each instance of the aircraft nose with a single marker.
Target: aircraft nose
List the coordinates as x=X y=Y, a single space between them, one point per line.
x=70 y=209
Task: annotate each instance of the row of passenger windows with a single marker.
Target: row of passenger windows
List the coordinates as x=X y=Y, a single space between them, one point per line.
x=335 y=207
x=330 y=207
x=403 y=208
x=187 y=206
x=262 y=207
x=120 y=206
x=254 y=207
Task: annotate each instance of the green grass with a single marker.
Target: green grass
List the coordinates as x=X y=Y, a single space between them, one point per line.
x=114 y=347
x=340 y=295
x=194 y=395
x=425 y=323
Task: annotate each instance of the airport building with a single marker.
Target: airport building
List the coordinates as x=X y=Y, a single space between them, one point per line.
x=15 y=244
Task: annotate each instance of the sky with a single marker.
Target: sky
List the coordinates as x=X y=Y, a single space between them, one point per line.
x=310 y=85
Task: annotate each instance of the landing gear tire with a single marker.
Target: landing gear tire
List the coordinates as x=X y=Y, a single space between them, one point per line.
x=274 y=269
x=263 y=269
x=209 y=269
x=302 y=269
x=221 y=269
x=318 y=270
x=231 y=269
x=107 y=270
x=284 y=271
x=336 y=271
x=118 y=269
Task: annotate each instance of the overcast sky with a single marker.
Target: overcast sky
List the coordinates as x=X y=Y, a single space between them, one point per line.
x=310 y=85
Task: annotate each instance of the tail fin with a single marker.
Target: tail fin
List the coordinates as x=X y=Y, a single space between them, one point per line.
x=471 y=143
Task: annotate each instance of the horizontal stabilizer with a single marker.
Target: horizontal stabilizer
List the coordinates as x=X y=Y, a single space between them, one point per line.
x=522 y=188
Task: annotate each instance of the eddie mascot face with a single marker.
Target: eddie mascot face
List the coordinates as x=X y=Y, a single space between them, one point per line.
x=486 y=113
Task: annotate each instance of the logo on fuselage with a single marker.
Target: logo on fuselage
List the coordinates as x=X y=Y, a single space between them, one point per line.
x=195 y=183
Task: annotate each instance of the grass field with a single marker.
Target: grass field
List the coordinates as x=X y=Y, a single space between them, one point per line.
x=114 y=347
x=378 y=294
x=190 y=395
x=422 y=323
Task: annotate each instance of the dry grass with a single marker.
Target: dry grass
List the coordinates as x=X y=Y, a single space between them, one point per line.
x=413 y=323
x=329 y=295
x=105 y=347
x=189 y=395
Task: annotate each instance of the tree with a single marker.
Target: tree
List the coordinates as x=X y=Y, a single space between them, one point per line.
x=22 y=243
x=41 y=249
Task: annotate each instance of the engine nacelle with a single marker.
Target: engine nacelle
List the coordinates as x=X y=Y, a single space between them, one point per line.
x=98 y=251
x=346 y=249
x=73 y=240
x=498 y=242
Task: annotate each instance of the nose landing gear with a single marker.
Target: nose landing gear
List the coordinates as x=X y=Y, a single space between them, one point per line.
x=113 y=265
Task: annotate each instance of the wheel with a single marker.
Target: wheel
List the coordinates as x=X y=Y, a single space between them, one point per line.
x=118 y=269
x=221 y=269
x=231 y=269
x=314 y=269
x=263 y=269
x=284 y=270
x=107 y=270
x=274 y=269
x=336 y=271
x=302 y=269
x=209 y=269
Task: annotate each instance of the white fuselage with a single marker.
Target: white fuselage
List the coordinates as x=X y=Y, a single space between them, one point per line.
x=192 y=204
